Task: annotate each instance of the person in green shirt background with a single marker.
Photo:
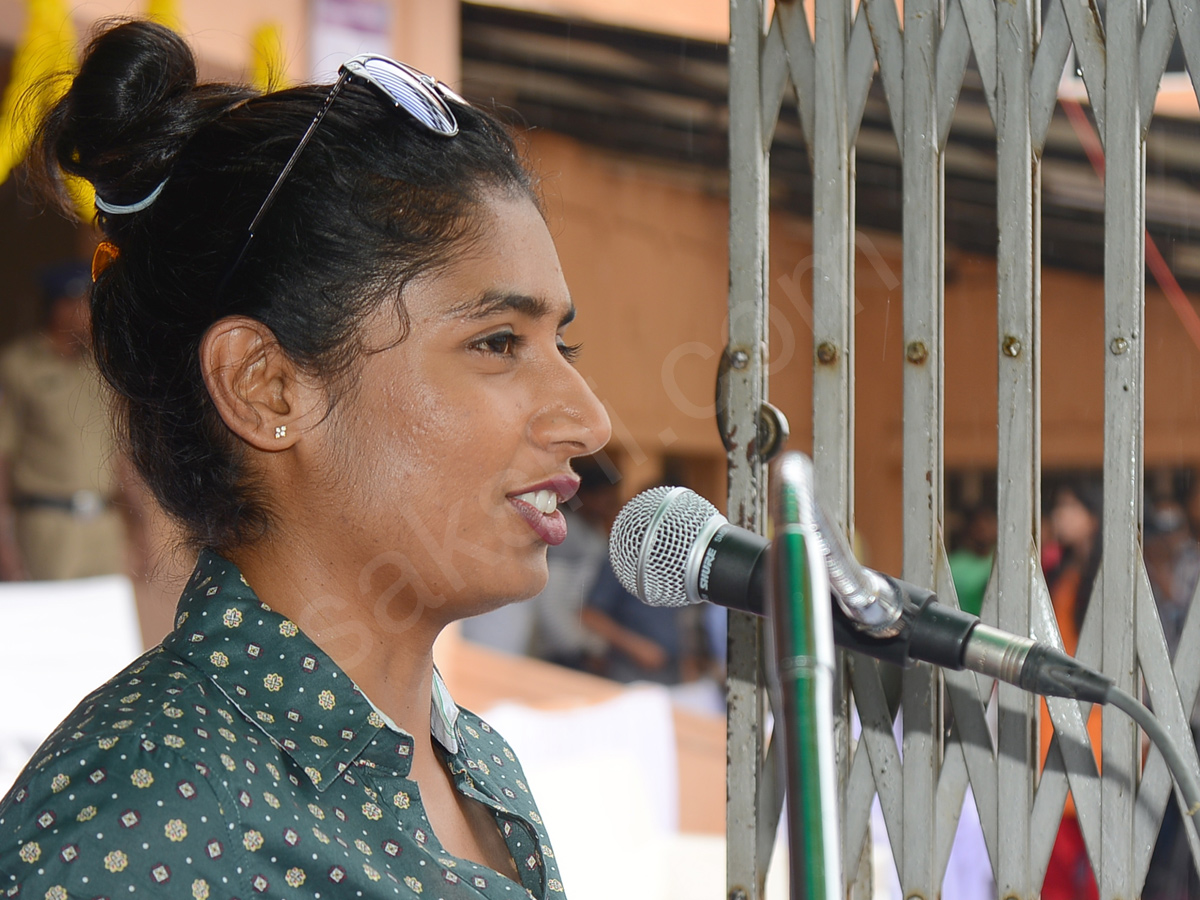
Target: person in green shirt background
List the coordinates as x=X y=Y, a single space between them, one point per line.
x=971 y=561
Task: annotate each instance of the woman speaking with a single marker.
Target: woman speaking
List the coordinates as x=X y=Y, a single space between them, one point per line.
x=333 y=319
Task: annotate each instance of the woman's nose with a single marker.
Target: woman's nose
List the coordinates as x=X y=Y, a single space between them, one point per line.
x=576 y=423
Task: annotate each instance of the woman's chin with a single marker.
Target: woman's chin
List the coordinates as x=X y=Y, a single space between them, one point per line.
x=507 y=594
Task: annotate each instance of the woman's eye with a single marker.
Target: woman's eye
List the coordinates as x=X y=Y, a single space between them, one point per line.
x=570 y=352
x=501 y=344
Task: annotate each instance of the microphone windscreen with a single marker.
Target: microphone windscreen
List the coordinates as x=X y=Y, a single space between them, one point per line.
x=651 y=540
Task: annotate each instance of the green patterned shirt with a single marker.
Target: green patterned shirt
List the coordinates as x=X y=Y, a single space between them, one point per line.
x=238 y=760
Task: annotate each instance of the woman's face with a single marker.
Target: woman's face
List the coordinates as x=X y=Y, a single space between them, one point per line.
x=1073 y=524
x=449 y=456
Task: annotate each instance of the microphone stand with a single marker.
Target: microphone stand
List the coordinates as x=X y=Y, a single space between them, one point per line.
x=803 y=628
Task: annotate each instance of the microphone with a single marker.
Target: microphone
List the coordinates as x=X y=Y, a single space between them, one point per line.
x=671 y=547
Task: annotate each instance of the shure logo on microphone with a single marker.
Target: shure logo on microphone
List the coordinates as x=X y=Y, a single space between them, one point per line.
x=706 y=567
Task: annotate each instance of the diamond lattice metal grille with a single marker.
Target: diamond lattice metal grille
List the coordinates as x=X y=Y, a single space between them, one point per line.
x=832 y=51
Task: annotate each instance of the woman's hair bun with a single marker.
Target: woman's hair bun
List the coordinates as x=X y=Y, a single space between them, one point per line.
x=129 y=111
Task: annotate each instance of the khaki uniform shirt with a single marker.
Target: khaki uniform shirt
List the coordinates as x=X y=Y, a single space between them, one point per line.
x=56 y=437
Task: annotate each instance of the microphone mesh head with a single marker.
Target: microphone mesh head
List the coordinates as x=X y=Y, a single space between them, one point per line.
x=660 y=550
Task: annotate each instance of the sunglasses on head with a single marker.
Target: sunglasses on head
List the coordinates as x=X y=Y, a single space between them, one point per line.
x=420 y=95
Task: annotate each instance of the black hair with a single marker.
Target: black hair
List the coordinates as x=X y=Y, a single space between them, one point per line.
x=1090 y=494
x=374 y=200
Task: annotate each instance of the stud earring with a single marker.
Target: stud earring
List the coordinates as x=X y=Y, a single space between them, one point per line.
x=281 y=431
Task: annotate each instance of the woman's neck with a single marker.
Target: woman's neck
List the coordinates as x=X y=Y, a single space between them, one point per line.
x=383 y=642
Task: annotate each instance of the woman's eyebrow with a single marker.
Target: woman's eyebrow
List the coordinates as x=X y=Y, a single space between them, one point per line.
x=492 y=302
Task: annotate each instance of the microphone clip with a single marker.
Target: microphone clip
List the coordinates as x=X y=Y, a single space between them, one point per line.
x=928 y=631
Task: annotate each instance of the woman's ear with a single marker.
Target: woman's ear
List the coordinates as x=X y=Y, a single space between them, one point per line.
x=254 y=384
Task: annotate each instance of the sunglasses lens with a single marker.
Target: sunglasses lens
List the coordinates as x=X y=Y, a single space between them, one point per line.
x=412 y=91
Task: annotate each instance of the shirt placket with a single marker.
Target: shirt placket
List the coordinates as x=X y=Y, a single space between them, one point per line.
x=520 y=836
x=466 y=879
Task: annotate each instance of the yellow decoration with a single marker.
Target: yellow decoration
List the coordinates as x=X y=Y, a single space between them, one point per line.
x=267 y=66
x=165 y=12
x=82 y=195
x=41 y=73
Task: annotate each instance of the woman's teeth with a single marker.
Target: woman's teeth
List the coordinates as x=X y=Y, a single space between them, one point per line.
x=545 y=502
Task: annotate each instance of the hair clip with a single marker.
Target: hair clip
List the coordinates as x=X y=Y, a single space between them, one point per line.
x=105 y=255
x=121 y=209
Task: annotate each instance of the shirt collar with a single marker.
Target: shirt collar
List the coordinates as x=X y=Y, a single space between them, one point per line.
x=285 y=684
x=443 y=715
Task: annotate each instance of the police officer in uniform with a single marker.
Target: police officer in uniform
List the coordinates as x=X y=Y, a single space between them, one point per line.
x=57 y=456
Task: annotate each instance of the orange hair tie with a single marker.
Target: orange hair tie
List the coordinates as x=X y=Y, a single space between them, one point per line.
x=105 y=255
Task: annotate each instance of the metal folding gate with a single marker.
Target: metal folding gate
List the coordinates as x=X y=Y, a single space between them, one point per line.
x=920 y=63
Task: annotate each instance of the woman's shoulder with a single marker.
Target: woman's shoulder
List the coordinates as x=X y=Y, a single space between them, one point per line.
x=157 y=701
x=125 y=777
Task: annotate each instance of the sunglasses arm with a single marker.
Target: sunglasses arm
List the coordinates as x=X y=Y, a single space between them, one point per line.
x=287 y=169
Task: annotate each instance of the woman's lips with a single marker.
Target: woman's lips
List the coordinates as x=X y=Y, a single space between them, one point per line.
x=551 y=528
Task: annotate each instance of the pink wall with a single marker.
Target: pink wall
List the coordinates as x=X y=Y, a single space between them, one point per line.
x=704 y=19
x=645 y=254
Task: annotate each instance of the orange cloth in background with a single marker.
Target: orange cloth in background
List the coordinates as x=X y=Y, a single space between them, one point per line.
x=1069 y=875
x=1064 y=596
